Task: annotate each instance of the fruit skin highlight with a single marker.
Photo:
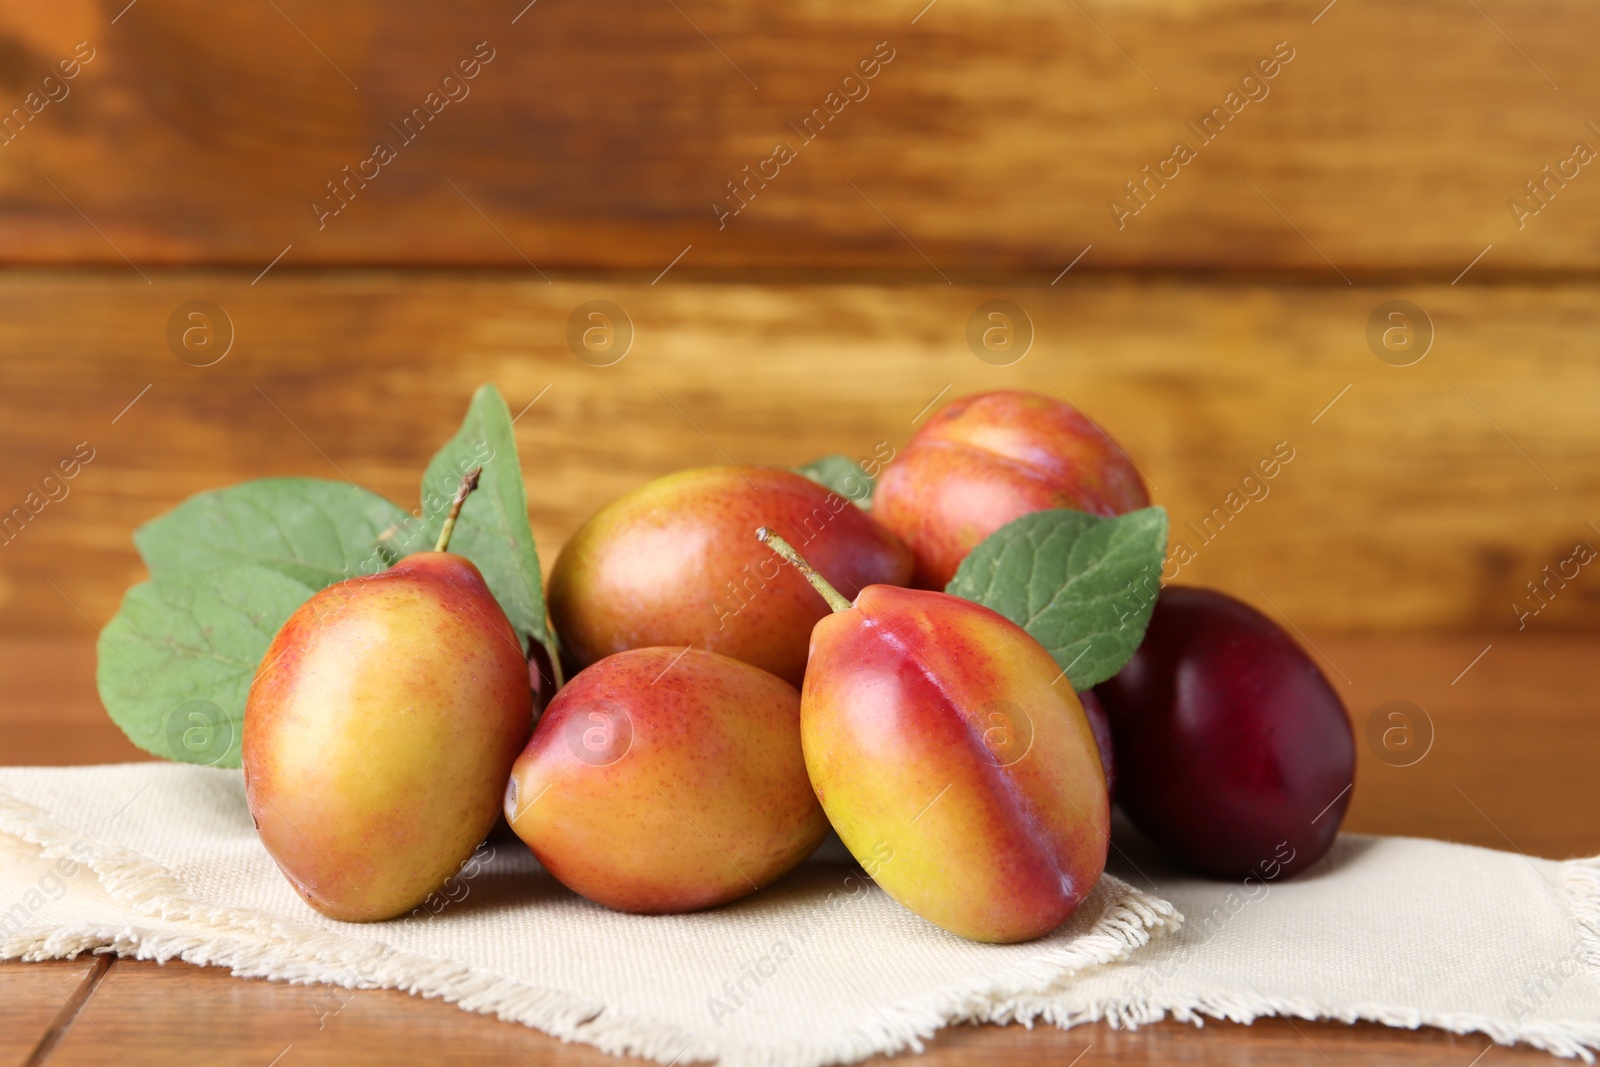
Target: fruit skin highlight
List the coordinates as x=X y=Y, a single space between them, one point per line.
x=954 y=767
x=379 y=731
x=673 y=563
x=667 y=780
x=984 y=460
x=1233 y=751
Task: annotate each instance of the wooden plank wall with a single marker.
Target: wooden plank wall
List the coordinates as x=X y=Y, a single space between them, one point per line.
x=1388 y=141
x=585 y=154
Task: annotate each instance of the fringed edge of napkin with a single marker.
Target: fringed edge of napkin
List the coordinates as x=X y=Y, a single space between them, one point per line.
x=1574 y=1039
x=253 y=944
x=1583 y=892
x=1129 y=922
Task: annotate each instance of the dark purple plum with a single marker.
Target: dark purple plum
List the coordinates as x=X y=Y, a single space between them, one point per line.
x=1102 y=737
x=1234 y=752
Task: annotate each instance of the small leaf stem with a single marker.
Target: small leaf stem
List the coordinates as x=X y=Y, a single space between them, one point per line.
x=469 y=482
x=785 y=550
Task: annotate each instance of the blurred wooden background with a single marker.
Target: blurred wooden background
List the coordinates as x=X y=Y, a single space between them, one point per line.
x=600 y=135
x=186 y=154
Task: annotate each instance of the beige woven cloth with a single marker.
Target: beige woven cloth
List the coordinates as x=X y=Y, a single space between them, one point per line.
x=160 y=861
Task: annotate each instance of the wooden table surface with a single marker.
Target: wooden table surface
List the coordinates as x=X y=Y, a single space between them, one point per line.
x=1510 y=768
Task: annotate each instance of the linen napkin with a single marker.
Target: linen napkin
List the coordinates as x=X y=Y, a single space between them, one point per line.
x=160 y=861
x=1394 y=930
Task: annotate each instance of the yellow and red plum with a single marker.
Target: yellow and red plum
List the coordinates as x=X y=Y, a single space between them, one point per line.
x=667 y=780
x=955 y=762
x=985 y=460
x=379 y=731
x=673 y=563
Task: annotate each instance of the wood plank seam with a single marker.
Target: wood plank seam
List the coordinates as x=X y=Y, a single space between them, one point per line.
x=70 y=1011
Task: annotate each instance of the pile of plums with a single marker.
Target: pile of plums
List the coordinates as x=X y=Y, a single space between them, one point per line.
x=681 y=767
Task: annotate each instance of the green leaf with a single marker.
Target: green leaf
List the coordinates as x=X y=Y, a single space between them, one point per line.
x=843 y=475
x=227 y=568
x=493 y=530
x=1083 y=586
x=175 y=664
x=315 y=531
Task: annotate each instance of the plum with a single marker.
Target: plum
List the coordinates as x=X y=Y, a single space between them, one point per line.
x=1101 y=725
x=965 y=782
x=1233 y=751
x=663 y=780
x=379 y=731
x=985 y=460
x=673 y=563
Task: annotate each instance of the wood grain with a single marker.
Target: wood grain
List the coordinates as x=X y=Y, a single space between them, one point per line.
x=50 y=713
x=178 y=1015
x=1500 y=743
x=601 y=136
x=1421 y=497
x=32 y=997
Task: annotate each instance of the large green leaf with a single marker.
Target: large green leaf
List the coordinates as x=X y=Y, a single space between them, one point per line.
x=315 y=531
x=175 y=664
x=493 y=530
x=1083 y=586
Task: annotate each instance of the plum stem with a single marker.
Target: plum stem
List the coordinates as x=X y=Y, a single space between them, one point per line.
x=785 y=550
x=469 y=482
